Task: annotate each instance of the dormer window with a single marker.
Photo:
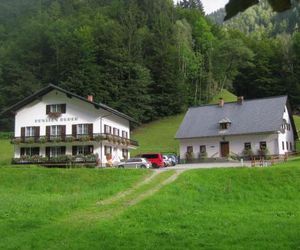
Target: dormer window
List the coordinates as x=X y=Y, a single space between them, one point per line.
x=224 y=124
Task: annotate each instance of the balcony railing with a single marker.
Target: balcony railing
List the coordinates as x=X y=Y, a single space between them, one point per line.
x=78 y=138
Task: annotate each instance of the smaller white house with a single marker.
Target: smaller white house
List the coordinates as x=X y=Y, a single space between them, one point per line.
x=244 y=128
x=56 y=127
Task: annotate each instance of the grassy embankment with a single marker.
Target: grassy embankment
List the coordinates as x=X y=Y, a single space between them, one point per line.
x=257 y=208
x=159 y=136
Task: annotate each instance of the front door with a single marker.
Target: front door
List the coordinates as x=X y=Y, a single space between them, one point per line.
x=224 y=149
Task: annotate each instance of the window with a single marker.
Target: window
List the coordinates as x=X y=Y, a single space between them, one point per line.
x=82 y=129
x=57 y=151
x=84 y=150
x=55 y=131
x=291 y=146
x=107 y=129
x=262 y=145
x=203 y=149
x=287 y=146
x=30 y=131
x=247 y=146
x=116 y=132
x=30 y=151
x=283 y=145
x=189 y=149
x=125 y=153
x=107 y=150
x=124 y=134
x=56 y=108
x=224 y=125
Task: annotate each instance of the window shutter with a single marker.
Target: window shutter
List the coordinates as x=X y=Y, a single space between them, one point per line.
x=63 y=132
x=47 y=151
x=47 y=109
x=91 y=149
x=74 y=150
x=36 y=133
x=63 y=108
x=74 y=132
x=23 y=134
x=90 y=130
x=63 y=150
x=22 y=151
x=48 y=133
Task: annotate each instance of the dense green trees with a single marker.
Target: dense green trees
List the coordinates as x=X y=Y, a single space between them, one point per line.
x=146 y=58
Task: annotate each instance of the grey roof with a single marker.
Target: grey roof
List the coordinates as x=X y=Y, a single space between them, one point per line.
x=253 y=116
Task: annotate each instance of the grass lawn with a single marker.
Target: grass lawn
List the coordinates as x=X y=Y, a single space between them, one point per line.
x=6 y=152
x=159 y=136
x=297 y=123
x=257 y=208
x=33 y=198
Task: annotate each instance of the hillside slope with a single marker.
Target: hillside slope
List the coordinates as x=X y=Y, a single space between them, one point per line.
x=159 y=136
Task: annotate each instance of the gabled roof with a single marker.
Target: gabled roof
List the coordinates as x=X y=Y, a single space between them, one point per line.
x=251 y=117
x=51 y=87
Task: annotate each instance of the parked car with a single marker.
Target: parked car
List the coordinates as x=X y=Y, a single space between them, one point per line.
x=135 y=163
x=155 y=158
x=167 y=161
x=174 y=158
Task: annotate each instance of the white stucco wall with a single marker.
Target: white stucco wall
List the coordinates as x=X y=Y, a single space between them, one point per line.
x=77 y=112
x=236 y=144
x=286 y=136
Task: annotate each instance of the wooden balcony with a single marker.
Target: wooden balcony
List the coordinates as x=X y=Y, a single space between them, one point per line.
x=117 y=140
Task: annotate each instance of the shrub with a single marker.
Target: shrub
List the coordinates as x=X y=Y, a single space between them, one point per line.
x=42 y=140
x=203 y=155
x=29 y=140
x=189 y=156
x=16 y=141
x=84 y=138
x=99 y=138
x=248 y=153
x=264 y=153
x=69 y=139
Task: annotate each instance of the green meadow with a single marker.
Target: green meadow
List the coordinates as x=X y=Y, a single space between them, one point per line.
x=246 y=208
x=158 y=136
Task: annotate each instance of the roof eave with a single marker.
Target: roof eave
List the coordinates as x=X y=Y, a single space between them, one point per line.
x=51 y=87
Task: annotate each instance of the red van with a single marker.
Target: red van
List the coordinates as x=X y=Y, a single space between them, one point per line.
x=157 y=160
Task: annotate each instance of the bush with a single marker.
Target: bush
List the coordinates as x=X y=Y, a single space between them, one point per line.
x=6 y=135
x=248 y=153
x=264 y=153
x=203 y=155
x=189 y=156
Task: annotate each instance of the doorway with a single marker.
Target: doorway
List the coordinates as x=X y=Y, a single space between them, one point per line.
x=225 y=149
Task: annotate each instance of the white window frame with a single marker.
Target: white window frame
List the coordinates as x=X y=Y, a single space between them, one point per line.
x=55 y=130
x=30 y=131
x=55 y=151
x=55 y=108
x=82 y=129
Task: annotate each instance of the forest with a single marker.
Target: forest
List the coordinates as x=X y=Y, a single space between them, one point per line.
x=148 y=59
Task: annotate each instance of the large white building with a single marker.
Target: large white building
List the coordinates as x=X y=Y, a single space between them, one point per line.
x=54 y=126
x=253 y=127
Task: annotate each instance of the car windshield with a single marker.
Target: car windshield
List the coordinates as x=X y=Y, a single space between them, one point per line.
x=150 y=156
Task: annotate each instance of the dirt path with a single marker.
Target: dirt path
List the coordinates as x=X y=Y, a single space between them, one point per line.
x=117 y=204
x=128 y=191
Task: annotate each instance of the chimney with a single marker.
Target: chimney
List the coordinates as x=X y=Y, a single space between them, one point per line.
x=90 y=98
x=221 y=102
x=240 y=100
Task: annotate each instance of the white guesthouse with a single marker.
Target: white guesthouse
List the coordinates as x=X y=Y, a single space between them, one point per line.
x=243 y=128
x=54 y=126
